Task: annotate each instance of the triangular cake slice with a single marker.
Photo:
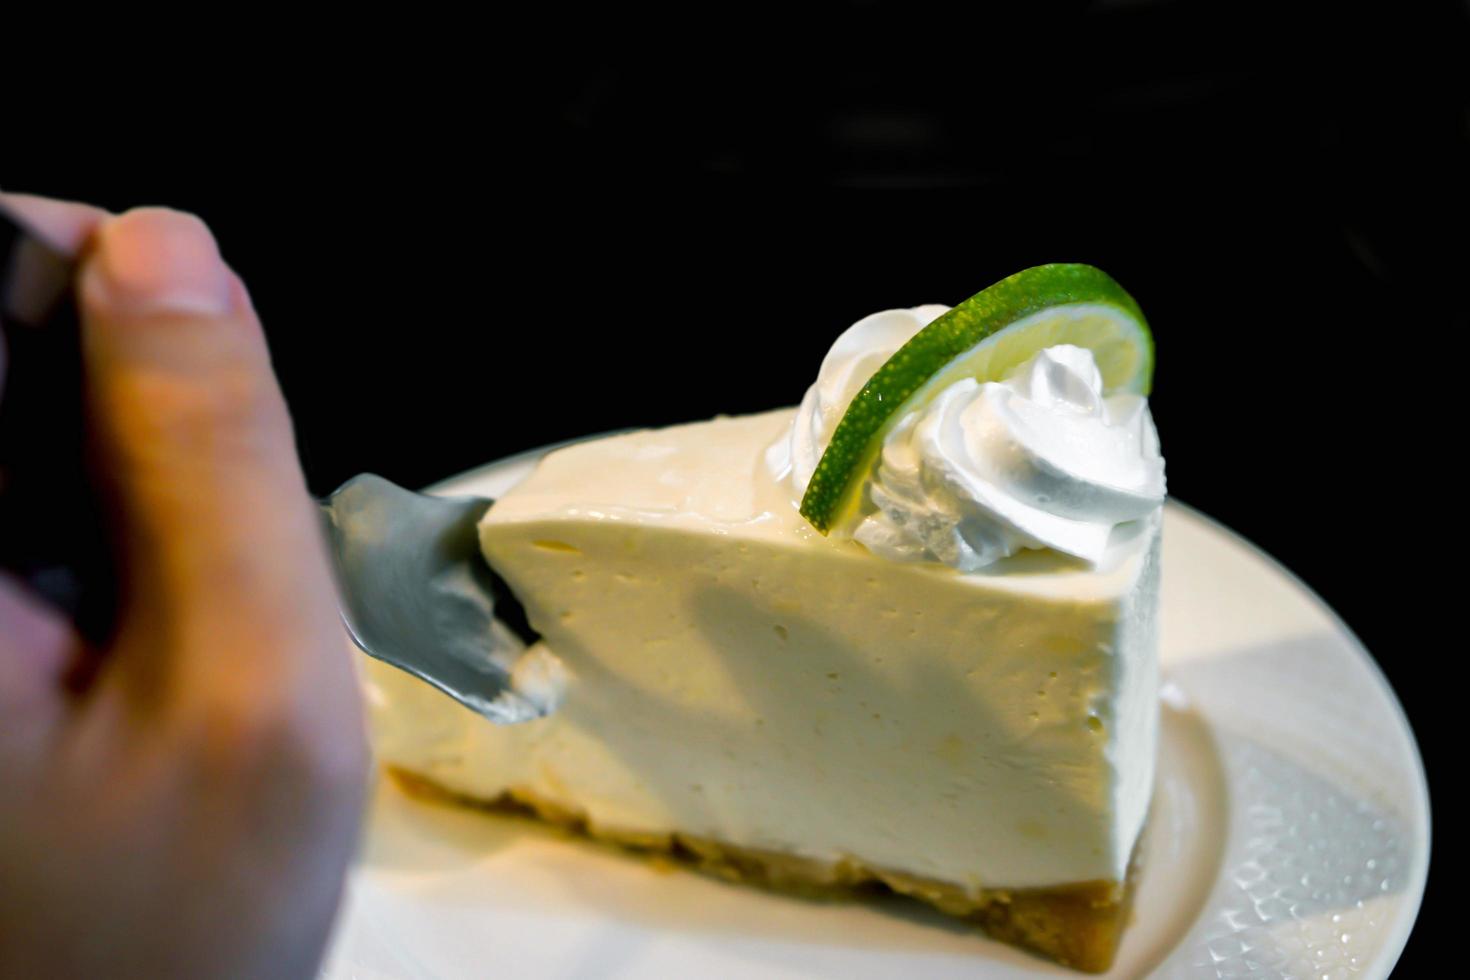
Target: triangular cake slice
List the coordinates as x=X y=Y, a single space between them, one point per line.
x=790 y=709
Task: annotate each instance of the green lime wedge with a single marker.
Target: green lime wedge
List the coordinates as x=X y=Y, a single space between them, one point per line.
x=985 y=337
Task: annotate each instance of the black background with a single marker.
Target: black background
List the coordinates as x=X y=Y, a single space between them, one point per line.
x=466 y=243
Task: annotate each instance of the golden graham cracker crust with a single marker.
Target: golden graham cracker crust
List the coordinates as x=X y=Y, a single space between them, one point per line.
x=1078 y=925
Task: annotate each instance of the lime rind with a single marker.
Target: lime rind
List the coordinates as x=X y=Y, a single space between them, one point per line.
x=984 y=337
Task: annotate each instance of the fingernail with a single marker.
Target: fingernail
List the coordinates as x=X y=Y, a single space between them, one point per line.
x=157 y=262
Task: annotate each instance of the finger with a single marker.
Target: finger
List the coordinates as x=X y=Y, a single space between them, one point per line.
x=65 y=225
x=224 y=585
x=38 y=651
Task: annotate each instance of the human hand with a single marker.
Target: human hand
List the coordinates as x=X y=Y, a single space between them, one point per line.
x=185 y=801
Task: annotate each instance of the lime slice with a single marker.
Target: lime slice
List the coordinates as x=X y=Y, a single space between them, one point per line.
x=985 y=337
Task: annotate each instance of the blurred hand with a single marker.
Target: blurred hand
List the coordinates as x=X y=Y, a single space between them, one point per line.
x=185 y=802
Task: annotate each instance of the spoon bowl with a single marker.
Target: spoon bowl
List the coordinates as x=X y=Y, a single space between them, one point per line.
x=417 y=594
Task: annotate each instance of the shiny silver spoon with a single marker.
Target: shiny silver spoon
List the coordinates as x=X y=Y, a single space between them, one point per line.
x=417 y=594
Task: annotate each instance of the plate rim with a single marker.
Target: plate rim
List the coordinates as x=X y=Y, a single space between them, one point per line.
x=1403 y=927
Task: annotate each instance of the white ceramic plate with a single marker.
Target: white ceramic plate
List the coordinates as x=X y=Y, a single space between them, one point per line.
x=1289 y=837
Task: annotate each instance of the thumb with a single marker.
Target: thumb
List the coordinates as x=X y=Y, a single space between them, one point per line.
x=219 y=546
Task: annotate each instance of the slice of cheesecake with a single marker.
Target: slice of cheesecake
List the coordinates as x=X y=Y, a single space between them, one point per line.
x=793 y=710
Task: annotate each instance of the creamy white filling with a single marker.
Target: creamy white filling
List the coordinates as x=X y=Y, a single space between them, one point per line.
x=1042 y=459
x=731 y=674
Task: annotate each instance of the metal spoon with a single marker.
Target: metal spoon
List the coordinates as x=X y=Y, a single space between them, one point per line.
x=417 y=594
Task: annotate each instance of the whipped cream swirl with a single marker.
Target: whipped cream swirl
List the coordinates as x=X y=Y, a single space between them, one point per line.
x=1041 y=459
x=854 y=358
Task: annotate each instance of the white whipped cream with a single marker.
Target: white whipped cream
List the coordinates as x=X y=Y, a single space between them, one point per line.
x=1041 y=459
x=856 y=355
